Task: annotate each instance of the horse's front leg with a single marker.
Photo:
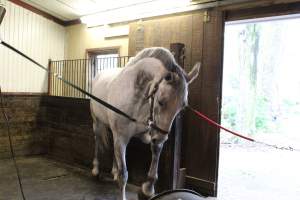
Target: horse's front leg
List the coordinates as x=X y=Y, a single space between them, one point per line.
x=148 y=186
x=122 y=174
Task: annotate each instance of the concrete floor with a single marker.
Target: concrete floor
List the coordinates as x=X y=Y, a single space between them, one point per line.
x=245 y=174
x=45 y=179
x=258 y=172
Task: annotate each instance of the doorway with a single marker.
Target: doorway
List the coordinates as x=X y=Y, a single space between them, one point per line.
x=104 y=58
x=261 y=99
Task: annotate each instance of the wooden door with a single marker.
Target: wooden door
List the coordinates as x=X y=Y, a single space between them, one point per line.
x=201 y=140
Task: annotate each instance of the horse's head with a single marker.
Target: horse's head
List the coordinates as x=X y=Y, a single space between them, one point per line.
x=171 y=97
x=169 y=88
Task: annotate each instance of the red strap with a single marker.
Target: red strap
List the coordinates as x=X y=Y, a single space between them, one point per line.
x=219 y=126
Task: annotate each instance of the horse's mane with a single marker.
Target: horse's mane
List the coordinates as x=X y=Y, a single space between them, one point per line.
x=162 y=54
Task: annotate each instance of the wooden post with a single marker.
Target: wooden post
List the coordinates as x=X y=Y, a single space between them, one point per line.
x=169 y=170
x=178 y=50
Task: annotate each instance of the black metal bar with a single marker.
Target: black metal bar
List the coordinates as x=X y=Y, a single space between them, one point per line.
x=55 y=82
x=82 y=77
x=73 y=78
x=91 y=75
x=51 y=78
x=69 y=77
x=83 y=73
x=63 y=88
x=88 y=74
x=61 y=64
x=66 y=77
x=91 y=72
x=110 y=62
x=93 y=62
x=77 y=77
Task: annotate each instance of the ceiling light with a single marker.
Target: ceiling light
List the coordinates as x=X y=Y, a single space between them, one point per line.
x=136 y=11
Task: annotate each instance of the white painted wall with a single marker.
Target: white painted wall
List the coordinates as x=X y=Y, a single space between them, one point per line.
x=36 y=36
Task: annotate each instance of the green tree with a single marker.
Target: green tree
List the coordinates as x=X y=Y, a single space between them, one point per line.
x=249 y=39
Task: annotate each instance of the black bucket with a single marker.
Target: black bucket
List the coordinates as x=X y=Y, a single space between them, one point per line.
x=179 y=194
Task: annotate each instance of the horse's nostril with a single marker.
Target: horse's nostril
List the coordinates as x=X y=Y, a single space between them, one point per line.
x=153 y=141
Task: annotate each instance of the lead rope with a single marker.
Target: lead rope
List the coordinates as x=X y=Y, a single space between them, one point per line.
x=12 y=152
x=201 y=115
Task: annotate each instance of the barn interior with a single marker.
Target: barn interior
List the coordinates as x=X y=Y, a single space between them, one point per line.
x=50 y=123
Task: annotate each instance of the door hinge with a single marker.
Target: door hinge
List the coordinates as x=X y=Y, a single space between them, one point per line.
x=206 y=16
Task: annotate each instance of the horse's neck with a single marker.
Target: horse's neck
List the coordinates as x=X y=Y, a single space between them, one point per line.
x=153 y=68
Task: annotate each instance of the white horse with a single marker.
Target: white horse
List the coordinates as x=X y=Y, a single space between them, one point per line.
x=151 y=86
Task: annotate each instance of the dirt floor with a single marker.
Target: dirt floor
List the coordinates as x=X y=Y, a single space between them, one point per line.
x=45 y=179
x=258 y=172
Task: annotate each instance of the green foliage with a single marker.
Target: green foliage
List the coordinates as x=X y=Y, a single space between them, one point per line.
x=261 y=78
x=261 y=118
x=229 y=116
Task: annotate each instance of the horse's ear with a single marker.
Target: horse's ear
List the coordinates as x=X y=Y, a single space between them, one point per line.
x=193 y=73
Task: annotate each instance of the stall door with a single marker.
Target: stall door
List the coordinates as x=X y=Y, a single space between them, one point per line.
x=201 y=140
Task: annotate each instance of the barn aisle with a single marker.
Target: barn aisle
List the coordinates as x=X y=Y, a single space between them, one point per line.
x=45 y=179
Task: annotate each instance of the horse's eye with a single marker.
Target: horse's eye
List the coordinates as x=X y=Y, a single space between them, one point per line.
x=168 y=77
x=160 y=103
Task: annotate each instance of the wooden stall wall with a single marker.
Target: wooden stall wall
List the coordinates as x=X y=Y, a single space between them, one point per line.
x=69 y=126
x=184 y=28
x=61 y=129
x=27 y=117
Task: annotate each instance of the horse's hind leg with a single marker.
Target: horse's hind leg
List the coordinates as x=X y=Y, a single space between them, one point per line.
x=97 y=130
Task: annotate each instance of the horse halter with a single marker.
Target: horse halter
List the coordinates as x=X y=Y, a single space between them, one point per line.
x=151 y=123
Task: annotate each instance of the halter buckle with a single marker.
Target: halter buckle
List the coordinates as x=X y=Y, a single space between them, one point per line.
x=150 y=123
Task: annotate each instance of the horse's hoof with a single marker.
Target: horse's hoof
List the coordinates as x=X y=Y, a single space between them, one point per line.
x=95 y=172
x=142 y=196
x=115 y=177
